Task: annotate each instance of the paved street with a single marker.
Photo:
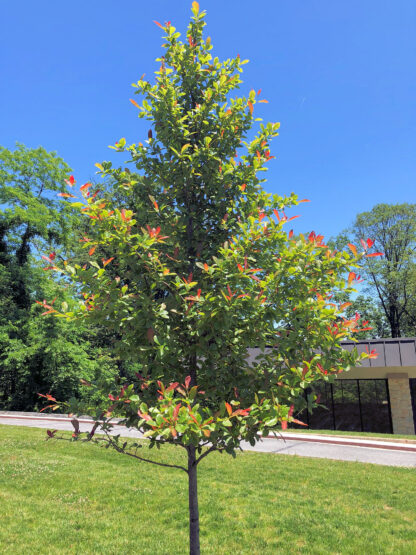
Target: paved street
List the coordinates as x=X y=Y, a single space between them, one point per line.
x=393 y=455
x=373 y=455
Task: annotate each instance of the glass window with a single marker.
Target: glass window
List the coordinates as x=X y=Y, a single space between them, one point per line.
x=351 y=405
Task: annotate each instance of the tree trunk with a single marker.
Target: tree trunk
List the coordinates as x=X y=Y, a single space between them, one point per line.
x=394 y=321
x=193 y=502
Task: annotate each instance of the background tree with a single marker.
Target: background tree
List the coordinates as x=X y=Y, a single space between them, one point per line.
x=35 y=354
x=390 y=280
x=200 y=269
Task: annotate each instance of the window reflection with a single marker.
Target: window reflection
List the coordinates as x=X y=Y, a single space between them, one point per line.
x=351 y=405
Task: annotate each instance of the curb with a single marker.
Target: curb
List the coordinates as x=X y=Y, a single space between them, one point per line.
x=290 y=437
x=352 y=443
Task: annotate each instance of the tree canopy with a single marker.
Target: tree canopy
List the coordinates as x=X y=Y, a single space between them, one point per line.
x=38 y=354
x=200 y=265
x=391 y=279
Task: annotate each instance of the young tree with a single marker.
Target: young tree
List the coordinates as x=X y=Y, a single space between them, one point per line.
x=200 y=268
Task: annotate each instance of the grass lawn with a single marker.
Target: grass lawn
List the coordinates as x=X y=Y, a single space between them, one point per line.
x=69 y=498
x=367 y=435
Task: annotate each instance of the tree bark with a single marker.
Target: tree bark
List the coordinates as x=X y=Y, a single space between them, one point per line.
x=194 y=548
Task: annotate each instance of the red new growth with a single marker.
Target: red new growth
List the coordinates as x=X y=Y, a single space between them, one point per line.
x=70 y=181
x=66 y=195
x=353 y=249
x=371 y=354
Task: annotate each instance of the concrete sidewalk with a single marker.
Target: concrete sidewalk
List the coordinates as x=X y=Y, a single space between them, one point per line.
x=391 y=453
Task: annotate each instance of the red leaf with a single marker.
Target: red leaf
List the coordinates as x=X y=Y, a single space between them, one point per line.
x=134 y=103
x=206 y=267
x=144 y=416
x=150 y=134
x=229 y=408
x=176 y=411
x=284 y=425
x=375 y=254
x=353 y=249
x=193 y=417
x=243 y=187
x=370 y=243
x=86 y=186
x=240 y=267
x=293 y=218
x=70 y=181
x=105 y=262
x=66 y=195
x=92 y=250
x=159 y=24
x=364 y=244
x=250 y=105
x=150 y=334
x=291 y=234
x=296 y=421
x=173 y=385
x=187 y=381
x=372 y=354
x=304 y=200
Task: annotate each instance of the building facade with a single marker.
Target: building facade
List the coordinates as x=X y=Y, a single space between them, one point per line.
x=396 y=367
x=379 y=396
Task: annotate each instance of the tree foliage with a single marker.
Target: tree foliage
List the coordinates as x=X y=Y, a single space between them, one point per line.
x=391 y=279
x=200 y=266
x=38 y=354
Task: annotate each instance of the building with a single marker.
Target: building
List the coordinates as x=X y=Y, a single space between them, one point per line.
x=395 y=367
x=378 y=397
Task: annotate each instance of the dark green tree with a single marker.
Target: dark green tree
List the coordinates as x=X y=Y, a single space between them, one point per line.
x=38 y=354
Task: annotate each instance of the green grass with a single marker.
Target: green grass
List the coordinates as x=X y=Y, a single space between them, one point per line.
x=71 y=498
x=367 y=435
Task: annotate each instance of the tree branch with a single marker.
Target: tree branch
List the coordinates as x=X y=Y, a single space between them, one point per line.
x=143 y=459
x=207 y=452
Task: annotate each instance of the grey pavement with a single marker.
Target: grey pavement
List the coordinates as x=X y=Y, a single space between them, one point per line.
x=338 y=452
x=300 y=447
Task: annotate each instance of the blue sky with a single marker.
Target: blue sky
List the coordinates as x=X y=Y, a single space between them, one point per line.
x=339 y=76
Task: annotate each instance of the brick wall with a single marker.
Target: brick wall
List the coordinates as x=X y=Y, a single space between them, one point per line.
x=401 y=404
